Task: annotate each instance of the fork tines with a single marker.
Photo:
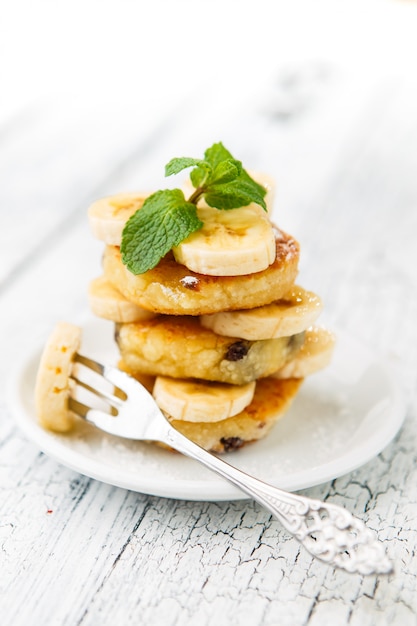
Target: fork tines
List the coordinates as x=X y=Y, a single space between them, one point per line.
x=90 y=389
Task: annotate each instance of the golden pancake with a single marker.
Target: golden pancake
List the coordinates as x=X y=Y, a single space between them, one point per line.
x=172 y=289
x=179 y=347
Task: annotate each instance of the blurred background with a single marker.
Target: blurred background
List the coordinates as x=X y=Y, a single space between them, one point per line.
x=96 y=96
x=100 y=77
x=111 y=72
x=151 y=55
x=112 y=51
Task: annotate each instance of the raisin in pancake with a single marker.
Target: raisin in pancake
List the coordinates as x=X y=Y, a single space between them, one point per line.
x=178 y=346
x=172 y=289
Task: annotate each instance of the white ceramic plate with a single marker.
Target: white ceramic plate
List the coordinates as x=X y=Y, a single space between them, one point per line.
x=341 y=418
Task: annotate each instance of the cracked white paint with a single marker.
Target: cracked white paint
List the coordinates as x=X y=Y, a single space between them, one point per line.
x=75 y=551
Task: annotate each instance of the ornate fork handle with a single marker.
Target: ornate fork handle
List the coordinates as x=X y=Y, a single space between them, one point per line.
x=327 y=531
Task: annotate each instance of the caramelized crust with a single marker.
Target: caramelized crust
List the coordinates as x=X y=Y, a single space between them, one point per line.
x=272 y=399
x=172 y=289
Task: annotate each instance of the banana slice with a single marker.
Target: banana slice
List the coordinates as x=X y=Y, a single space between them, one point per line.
x=230 y=243
x=195 y=401
x=107 y=302
x=108 y=216
x=52 y=381
x=295 y=312
x=315 y=354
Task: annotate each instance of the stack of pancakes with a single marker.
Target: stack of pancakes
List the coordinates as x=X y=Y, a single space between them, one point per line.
x=223 y=355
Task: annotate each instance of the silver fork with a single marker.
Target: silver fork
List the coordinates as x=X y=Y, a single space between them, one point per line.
x=118 y=404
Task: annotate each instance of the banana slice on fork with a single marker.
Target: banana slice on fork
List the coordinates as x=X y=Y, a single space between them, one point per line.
x=52 y=388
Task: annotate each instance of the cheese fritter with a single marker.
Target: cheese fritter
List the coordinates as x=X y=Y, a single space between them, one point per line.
x=170 y=288
x=179 y=347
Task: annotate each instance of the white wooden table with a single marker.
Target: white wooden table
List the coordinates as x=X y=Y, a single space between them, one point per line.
x=342 y=146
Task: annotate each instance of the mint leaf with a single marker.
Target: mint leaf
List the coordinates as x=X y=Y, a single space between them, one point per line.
x=216 y=154
x=200 y=174
x=165 y=219
x=232 y=195
x=181 y=163
x=225 y=172
x=243 y=188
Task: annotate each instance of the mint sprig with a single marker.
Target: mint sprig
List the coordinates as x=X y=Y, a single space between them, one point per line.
x=167 y=218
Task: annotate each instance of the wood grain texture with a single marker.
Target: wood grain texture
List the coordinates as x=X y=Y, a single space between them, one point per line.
x=74 y=551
